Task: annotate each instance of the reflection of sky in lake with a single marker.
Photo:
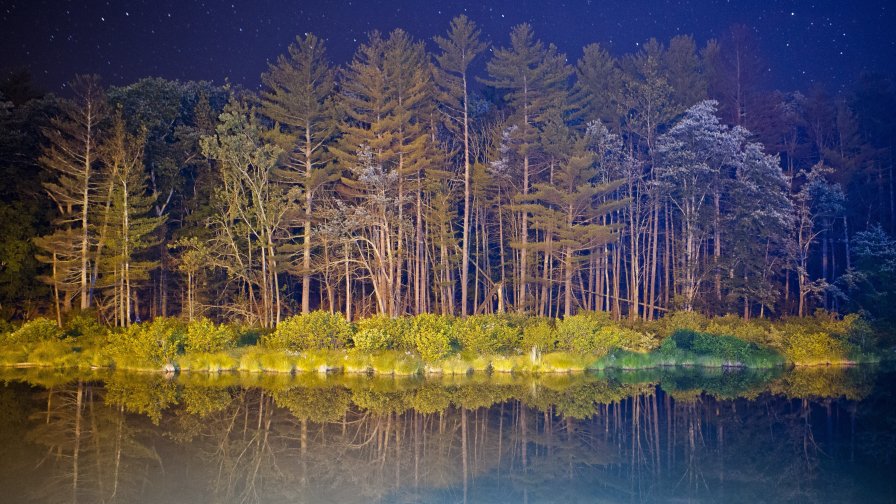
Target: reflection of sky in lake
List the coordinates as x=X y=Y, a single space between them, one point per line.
x=810 y=435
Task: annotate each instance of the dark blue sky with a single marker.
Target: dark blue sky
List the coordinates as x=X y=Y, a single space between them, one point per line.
x=801 y=42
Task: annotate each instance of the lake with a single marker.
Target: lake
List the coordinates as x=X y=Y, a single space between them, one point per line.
x=681 y=435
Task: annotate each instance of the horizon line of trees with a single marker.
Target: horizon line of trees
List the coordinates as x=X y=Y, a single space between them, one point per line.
x=404 y=183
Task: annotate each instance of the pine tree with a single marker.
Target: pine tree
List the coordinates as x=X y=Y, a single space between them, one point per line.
x=299 y=97
x=459 y=49
x=681 y=68
x=568 y=207
x=534 y=78
x=387 y=97
x=758 y=221
x=71 y=160
x=598 y=80
x=133 y=228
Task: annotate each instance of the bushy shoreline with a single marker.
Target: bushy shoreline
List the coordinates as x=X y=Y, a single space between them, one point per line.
x=321 y=342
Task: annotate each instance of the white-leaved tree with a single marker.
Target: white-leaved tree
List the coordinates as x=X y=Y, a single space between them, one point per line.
x=693 y=160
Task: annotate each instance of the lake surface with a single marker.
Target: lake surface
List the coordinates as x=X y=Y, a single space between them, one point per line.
x=816 y=435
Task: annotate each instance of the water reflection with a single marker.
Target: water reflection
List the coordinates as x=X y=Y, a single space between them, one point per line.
x=824 y=434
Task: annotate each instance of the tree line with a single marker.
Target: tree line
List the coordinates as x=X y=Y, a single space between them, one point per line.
x=466 y=178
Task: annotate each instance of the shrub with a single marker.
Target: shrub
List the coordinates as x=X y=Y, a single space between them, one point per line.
x=149 y=344
x=634 y=341
x=84 y=324
x=249 y=335
x=575 y=333
x=35 y=331
x=808 y=347
x=204 y=336
x=486 y=334
x=6 y=327
x=681 y=320
x=540 y=334
x=859 y=332
x=596 y=334
x=381 y=332
x=432 y=336
x=317 y=330
x=692 y=347
x=754 y=330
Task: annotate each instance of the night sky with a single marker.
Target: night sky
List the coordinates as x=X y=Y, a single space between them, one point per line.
x=801 y=42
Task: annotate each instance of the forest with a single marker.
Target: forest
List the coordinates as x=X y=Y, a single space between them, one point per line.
x=453 y=176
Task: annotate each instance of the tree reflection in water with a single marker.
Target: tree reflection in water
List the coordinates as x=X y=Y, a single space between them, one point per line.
x=713 y=436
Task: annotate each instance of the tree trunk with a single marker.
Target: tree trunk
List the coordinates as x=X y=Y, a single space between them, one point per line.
x=465 y=240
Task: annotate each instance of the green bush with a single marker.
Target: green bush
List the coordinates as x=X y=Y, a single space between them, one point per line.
x=317 y=330
x=6 y=327
x=754 y=330
x=486 y=334
x=726 y=347
x=699 y=348
x=382 y=332
x=84 y=324
x=634 y=341
x=432 y=336
x=35 y=331
x=147 y=345
x=540 y=334
x=859 y=332
x=596 y=334
x=575 y=333
x=681 y=320
x=813 y=347
x=204 y=336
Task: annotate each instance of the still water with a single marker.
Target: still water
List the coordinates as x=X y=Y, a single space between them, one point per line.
x=820 y=435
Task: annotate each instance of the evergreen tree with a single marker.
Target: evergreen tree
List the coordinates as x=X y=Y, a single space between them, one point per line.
x=534 y=77
x=387 y=96
x=133 y=227
x=299 y=97
x=569 y=206
x=598 y=80
x=459 y=49
x=71 y=160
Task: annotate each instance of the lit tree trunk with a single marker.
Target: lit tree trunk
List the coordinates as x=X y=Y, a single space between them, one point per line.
x=717 y=246
x=634 y=257
x=306 y=240
x=524 y=241
x=125 y=250
x=85 y=207
x=567 y=282
x=653 y=263
x=465 y=240
x=56 y=291
x=348 y=283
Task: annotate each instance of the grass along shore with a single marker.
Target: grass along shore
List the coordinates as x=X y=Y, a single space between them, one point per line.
x=321 y=342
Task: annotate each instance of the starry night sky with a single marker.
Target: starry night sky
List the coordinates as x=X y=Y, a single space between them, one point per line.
x=801 y=42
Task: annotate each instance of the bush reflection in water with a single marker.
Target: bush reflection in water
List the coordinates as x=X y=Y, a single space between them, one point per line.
x=648 y=436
